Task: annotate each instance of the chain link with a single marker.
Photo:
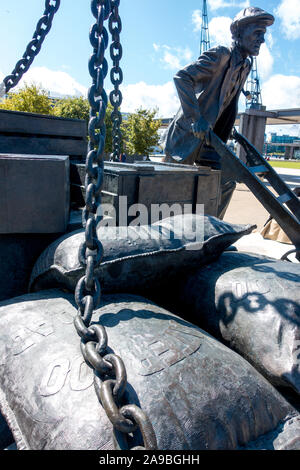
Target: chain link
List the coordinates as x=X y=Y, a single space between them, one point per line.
x=285 y=257
x=110 y=378
x=42 y=29
x=116 y=76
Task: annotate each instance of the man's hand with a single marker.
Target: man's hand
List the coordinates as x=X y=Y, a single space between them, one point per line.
x=201 y=129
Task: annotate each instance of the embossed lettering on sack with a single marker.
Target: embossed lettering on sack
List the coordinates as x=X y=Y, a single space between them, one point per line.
x=29 y=335
x=54 y=377
x=81 y=377
x=35 y=330
x=242 y=288
x=173 y=345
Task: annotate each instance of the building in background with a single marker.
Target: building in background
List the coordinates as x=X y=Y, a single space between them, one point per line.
x=287 y=145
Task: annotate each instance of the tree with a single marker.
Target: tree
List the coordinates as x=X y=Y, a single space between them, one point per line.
x=30 y=98
x=108 y=123
x=141 y=132
x=79 y=108
x=73 y=107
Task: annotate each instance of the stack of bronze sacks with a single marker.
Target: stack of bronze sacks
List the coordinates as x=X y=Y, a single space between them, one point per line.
x=210 y=339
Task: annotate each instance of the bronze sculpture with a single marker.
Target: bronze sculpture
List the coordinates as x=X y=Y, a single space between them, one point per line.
x=209 y=91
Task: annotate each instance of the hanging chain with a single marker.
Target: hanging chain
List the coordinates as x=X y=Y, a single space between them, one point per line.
x=290 y=252
x=116 y=76
x=42 y=29
x=110 y=378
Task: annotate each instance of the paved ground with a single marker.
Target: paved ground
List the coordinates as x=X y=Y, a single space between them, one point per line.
x=244 y=208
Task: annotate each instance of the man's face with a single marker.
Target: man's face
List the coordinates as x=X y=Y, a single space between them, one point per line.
x=251 y=38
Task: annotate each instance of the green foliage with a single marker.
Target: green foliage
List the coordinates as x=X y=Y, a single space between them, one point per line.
x=141 y=132
x=30 y=98
x=72 y=108
x=108 y=123
x=79 y=108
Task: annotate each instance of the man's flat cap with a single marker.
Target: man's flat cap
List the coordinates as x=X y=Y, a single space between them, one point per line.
x=251 y=15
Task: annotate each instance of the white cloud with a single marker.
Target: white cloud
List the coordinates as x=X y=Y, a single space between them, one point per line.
x=216 y=4
x=173 y=58
x=58 y=83
x=265 y=62
x=219 y=29
x=164 y=97
x=289 y=13
x=281 y=91
x=269 y=39
x=197 y=20
x=265 y=59
x=171 y=61
x=286 y=129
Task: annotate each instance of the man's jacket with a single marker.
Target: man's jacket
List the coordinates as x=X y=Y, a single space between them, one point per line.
x=209 y=87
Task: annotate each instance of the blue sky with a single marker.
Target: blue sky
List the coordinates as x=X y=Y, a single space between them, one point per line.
x=158 y=37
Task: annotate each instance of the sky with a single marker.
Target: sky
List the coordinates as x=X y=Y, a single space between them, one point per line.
x=158 y=37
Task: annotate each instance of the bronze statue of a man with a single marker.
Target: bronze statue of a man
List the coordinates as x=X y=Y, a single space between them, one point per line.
x=209 y=91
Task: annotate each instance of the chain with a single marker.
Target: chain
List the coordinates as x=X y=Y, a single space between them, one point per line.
x=110 y=378
x=42 y=29
x=286 y=255
x=116 y=76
